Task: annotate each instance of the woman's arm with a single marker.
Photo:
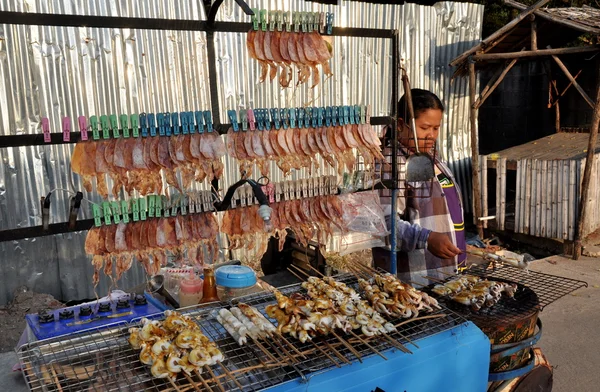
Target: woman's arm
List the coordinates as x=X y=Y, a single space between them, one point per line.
x=409 y=236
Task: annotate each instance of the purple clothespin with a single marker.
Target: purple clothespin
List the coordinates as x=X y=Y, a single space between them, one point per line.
x=66 y=127
x=46 y=130
x=83 y=128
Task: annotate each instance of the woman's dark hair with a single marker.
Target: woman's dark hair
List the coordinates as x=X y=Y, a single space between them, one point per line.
x=422 y=101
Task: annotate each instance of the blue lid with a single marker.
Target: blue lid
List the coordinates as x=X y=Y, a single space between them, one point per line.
x=235 y=276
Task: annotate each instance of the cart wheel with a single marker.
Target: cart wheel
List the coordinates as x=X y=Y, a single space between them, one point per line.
x=539 y=379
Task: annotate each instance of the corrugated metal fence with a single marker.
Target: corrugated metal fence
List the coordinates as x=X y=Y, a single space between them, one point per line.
x=63 y=71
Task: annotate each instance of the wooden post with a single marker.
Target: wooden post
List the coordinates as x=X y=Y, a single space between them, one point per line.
x=489 y=92
x=535 y=53
x=572 y=79
x=557 y=119
x=475 y=151
x=587 y=173
x=533 y=32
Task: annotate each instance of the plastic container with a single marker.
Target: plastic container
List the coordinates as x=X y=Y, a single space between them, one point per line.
x=235 y=281
x=190 y=291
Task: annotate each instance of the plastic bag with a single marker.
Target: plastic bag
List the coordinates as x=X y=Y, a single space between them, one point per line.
x=362 y=213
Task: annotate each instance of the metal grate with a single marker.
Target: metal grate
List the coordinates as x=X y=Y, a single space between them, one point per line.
x=104 y=360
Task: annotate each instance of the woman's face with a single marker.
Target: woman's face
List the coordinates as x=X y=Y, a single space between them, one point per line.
x=427 y=124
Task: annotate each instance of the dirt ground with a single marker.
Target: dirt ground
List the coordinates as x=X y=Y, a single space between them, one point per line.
x=12 y=316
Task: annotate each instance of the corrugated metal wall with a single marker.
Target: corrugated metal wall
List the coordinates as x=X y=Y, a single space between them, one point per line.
x=54 y=72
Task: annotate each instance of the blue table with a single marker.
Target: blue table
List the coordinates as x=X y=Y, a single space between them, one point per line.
x=455 y=360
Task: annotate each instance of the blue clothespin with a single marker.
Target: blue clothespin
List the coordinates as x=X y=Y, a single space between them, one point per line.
x=328 y=112
x=151 y=124
x=185 y=128
x=311 y=120
x=167 y=124
x=285 y=117
x=356 y=114
x=351 y=114
x=234 y=121
x=251 y=119
x=260 y=124
x=346 y=115
x=208 y=120
x=175 y=123
x=199 y=121
x=320 y=117
x=144 y=124
x=334 y=116
x=244 y=119
x=363 y=114
x=267 y=119
x=160 y=119
x=293 y=115
x=329 y=22
x=276 y=118
x=300 y=118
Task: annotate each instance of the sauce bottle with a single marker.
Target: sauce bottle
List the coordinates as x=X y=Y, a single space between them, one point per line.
x=190 y=291
x=210 y=286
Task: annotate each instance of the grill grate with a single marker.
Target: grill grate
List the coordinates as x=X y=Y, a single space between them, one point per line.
x=104 y=360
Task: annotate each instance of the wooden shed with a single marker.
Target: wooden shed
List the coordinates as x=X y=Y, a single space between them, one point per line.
x=557 y=185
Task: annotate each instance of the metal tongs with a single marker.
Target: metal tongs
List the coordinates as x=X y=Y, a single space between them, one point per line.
x=419 y=166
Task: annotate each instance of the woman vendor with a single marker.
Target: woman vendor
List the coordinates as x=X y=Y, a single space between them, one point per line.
x=430 y=228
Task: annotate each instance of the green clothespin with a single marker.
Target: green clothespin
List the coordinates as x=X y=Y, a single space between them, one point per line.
x=254 y=19
x=124 y=125
x=183 y=205
x=114 y=126
x=151 y=205
x=143 y=208
x=105 y=127
x=296 y=21
x=303 y=20
x=263 y=20
x=287 y=21
x=135 y=208
x=97 y=212
x=158 y=207
x=94 y=125
x=125 y=211
x=315 y=21
x=279 y=20
x=272 y=20
x=107 y=213
x=116 y=210
x=135 y=124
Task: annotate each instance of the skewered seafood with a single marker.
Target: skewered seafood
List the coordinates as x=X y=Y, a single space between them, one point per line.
x=173 y=346
x=137 y=163
x=472 y=291
x=148 y=241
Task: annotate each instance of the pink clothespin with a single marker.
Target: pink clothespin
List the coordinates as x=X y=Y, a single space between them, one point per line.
x=269 y=191
x=368 y=114
x=83 y=128
x=46 y=130
x=66 y=127
x=251 y=119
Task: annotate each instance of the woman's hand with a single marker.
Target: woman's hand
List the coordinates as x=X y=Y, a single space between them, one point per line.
x=441 y=245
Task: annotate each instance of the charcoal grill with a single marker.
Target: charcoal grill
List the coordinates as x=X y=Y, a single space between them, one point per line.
x=104 y=360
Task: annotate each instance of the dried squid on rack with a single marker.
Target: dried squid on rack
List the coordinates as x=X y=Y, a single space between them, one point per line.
x=150 y=241
x=137 y=163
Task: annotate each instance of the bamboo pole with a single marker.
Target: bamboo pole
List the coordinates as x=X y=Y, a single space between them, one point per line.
x=535 y=53
x=475 y=152
x=533 y=32
x=486 y=95
x=587 y=173
x=562 y=66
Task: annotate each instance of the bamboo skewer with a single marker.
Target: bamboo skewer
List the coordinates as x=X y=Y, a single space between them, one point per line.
x=214 y=378
x=291 y=345
x=203 y=380
x=293 y=273
x=345 y=343
x=326 y=354
x=431 y=316
x=367 y=344
x=300 y=270
x=336 y=352
x=284 y=350
x=264 y=350
x=56 y=380
x=397 y=344
x=230 y=375
x=191 y=381
x=433 y=279
x=173 y=384
x=407 y=339
x=316 y=270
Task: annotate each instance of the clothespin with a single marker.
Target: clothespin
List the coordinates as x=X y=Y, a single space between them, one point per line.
x=125 y=211
x=151 y=124
x=83 y=127
x=363 y=114
x=199 y=121
x=134 y=120
x=158 y=207
x=254 y=19
x=175 y=123
x=183 y=206
x=107 y=213
x=357 y=114
x=267 y=119
x=320 y=117
x=143 y=208
x=166 y=204
x=300 y=118
x=279 y=18
x=74 y=209
x=322 y=22
x=303 y=18
x=275 y=117
x=115 y=206
x=151 y=201
x=346 y=115
x=135 y=209
x=160 y=119
x=316 y=21
x=334 y=116
x=97 y=213
x=285 y=118
x=260 y=123
x=263 y=20
x=185 y=128
x=234 y=121
x=208 y=120
x=66 y=128
x=368 y=114
x=94 y=125
x=272 y=20
x=105 y=126
x=114 y=125
x=328 y=114
x=123 y=119
x=144 y=124
x=167 y=124
x=329 y=23
x=251 y=119
x=293 y=118
x=175 y=205
x=287 y=21
x=310 y=119
x=244 y=119
x=45 y=205
x=351 y=114
x=297 y=20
